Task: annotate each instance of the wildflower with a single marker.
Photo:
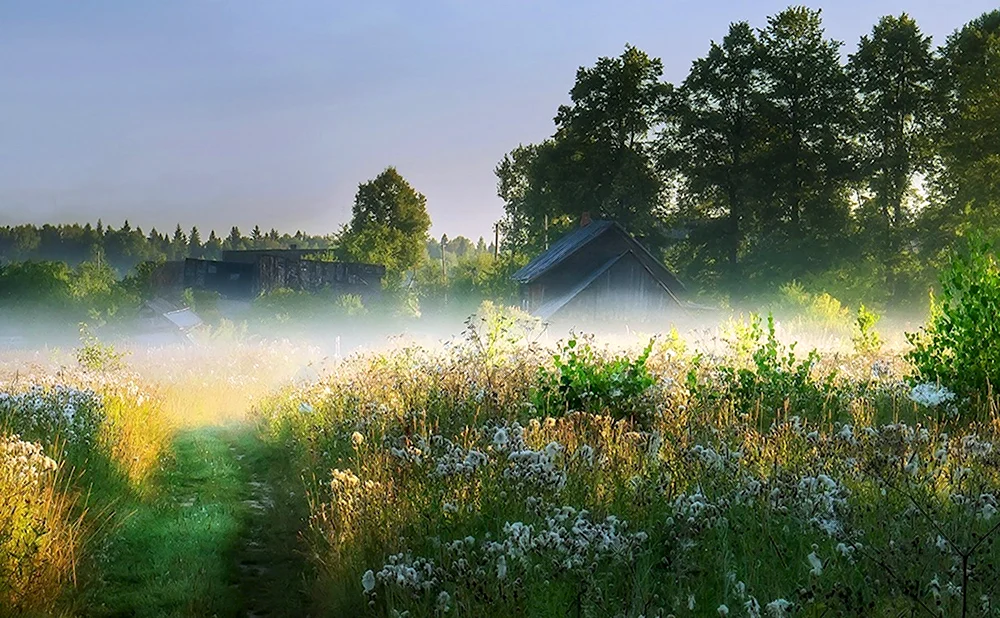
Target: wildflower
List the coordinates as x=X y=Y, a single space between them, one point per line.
x=816 y=563
x=941 y=543
x=500 y=439
x=444 y=601
x=931 y=395
x=368 y=581
x=357 y=439
x=305 y=408
x=777 y=608
x=723 y=610
x=501 y=567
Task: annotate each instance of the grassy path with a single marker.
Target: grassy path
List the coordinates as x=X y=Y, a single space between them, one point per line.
x=217 y=538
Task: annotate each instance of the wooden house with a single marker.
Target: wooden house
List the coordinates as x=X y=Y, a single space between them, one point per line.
x=598 y=272
x=246 y=274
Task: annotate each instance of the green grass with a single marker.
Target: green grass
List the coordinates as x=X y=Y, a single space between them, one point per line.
x=197 y=546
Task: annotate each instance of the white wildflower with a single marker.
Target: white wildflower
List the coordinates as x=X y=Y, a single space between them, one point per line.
x=368 y=581
x=816 y=564
x=777 y=608
x=931 y=395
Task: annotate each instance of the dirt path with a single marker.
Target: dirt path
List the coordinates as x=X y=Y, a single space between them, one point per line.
x=218 y=538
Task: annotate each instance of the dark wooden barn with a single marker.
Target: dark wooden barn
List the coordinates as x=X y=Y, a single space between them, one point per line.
x=246 y=274
x=598 y=272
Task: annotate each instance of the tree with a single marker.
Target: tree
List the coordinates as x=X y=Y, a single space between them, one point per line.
x=179 y=244
x=195 y=248
x=893 y=73
x=234 y=242
x=213 y=247
x=970 y=133
x=389 y=223
x=807 y=110
x=599 y=160
x=715 y=143
x=526 y=206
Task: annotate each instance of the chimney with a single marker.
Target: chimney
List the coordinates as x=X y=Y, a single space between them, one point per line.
x=585 y=218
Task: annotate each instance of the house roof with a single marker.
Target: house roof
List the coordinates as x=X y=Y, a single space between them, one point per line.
x=575 y=240
x=549 y=308
x=183 y=318
x=560 y=250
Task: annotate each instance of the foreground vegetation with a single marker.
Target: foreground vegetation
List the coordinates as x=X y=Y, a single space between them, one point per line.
x=111 y=502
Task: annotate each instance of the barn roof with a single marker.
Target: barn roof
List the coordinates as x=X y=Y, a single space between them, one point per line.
x=560 y=250
x=577 y=239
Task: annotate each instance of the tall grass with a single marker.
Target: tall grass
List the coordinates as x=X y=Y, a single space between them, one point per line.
x=759 y=481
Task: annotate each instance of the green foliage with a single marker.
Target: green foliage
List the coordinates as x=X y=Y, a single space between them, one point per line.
x=815 y=310
x=599 y=160
x=203 y=302
x=969 y=139
x=389 y=225
x=960 y=345
x=764 y=378
x=583 y=379
x=93 y=355
x=496 y=331
x=893 y=72
x=867 y=340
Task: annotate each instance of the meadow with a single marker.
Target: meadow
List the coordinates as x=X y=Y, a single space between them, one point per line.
x=503 y=471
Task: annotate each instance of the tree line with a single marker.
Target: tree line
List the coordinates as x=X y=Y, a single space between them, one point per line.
x=775 y=159
x=127 y=246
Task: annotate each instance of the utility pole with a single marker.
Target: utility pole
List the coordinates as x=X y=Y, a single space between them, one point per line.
x=496 y=241
x=444 y=266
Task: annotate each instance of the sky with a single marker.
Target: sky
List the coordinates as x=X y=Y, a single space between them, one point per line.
x=270 y=112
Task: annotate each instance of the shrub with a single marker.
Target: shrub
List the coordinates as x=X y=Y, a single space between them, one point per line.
x=866 y=339
x=960 y=345
x=38 y=533
x=822 y=310
x=93 y=355
x=764 y=375
x=582 y=380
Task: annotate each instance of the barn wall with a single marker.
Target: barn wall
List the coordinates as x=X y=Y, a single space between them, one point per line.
x=627 y=291
x=231 y=279
x=562 y=277
x=277 y=271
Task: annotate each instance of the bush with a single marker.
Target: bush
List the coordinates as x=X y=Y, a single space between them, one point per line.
x=866 y=339
x=583 y=380
x=764 y=376
x=960 y=345
x=93 y=355
x=819 y=310
x=38 y=533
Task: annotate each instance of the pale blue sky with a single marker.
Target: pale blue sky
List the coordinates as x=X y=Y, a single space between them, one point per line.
x=215 y=112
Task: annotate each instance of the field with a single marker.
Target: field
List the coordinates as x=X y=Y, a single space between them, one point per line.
x=501 y=472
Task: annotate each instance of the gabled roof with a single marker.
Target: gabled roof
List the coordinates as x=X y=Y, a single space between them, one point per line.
x=577 y=239
x=560 y=250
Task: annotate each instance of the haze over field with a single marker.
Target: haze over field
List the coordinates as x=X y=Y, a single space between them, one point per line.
x=221 y=113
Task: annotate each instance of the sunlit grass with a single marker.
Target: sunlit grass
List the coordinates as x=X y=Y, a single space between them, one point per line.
x=436 y=488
